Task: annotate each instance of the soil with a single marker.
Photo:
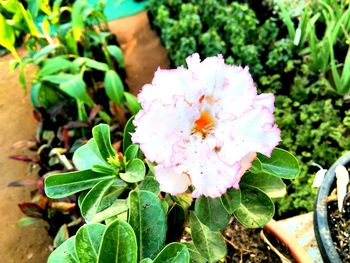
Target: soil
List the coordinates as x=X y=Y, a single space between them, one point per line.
x=27 y=244
x=339 y=224
x=246 y=245
x=141 y=47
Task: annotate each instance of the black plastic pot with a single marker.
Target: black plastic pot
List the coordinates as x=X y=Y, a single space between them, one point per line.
x=321 y=227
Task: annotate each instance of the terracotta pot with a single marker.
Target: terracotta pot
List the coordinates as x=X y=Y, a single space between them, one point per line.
x=322 y=231
x=297 y=251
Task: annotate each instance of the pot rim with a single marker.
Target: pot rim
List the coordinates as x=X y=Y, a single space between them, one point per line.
x=321 y=227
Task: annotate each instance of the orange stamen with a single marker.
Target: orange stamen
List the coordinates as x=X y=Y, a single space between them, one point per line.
x=204 y=123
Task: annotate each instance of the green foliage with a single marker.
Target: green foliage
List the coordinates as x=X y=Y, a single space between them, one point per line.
x=222 y=27
x=142 y=222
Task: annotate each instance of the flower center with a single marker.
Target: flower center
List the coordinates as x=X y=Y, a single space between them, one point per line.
x=204 y=124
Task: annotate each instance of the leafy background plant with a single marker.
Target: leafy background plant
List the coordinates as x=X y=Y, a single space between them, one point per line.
x=297 y=50
x=79 y=82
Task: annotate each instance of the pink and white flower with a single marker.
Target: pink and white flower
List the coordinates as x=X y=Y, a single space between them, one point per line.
x=204 y=125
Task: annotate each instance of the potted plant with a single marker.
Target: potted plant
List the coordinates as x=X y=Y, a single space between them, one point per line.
x=174 y=187
x=324 y=230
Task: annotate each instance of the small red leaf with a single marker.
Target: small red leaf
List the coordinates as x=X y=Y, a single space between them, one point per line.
x=31 y=210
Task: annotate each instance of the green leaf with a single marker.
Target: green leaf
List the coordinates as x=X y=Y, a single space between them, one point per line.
x=92 y=200
x=101 y=134
x=78 y=19
x=26 y=221
x=57 y=78
x=211 y=213
x=195 y=256
x=146 y=260
x=61 y=236
x=76 y=88
x=135 y=171
x=7 y=35
x=281 y=164
x=131 y=102
x=173 y=253
x=39 y=56
x=65 y=184
x=131 y=152
x=65 y=253
x=118 y=207
x=256 y=208
x=88 y=155
x=103 y=169
x=117 y=53
x=256 y=167
x=129 y=128
x=150 y=184
x=118 y=244
x=273 y=186
x=29 y=21
x=231 y=200
x=54 y=65
x=34 y=95
x=211 y=245
x=90 y=63
x=114 y=87
x=147 y=218
x=88 y=241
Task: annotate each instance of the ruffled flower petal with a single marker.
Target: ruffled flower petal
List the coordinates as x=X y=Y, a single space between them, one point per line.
x=204 y=125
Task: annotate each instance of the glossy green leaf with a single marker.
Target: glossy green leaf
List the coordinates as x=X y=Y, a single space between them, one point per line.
x=195 y=256
x=34 y=95
x=65 y=184
x=65 y=253
x=114 y=87
x=26 y=221
x=129 y=128
x=131 y=152
x=256 y=208
x=117 y=53
x=42 y=53
x=104 y=169
x=101 y=134
x=57 y=78
x=81 y=197
x=118 y=244
x=147 y=218
x=88 y=241
x=29 y=21
x=231 y=200
x=90 y=63
x=146 y=260
x=78 y=19
x=256 y=167
x=273 y=186
x=135 y=171
x=131 y=102
x=34 y=7
x=281 y=164
x=7 y=35
x=88 y=155
x=211 y=212
x=173 y=253
x=92 y=200
x=116 y=208
x=61 y=236
x=54 y=65
x=211 y=245
x=76 y=88
x=150 y=184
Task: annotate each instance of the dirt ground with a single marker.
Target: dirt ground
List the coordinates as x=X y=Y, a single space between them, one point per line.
x=143 y=55
x=29 y=244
